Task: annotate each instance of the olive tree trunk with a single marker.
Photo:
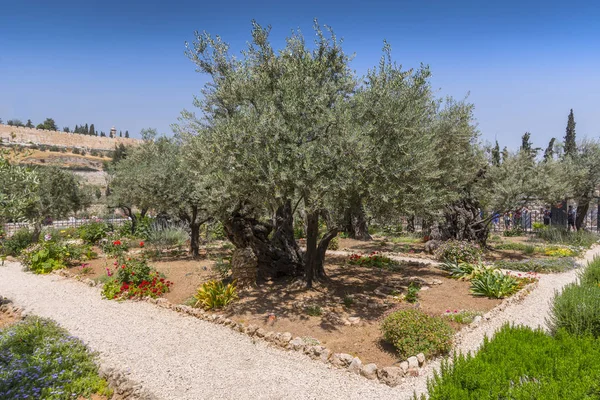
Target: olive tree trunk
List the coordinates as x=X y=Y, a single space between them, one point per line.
x=462 y=221
x=277 y=254
x=314 y=268
x=583 y=206
x=355 y=220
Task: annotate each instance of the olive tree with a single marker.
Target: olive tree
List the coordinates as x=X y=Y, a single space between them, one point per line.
x=18 y=190
x=271 y=135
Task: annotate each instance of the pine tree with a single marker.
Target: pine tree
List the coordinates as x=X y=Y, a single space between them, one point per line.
x=570 y=144
x=526 y=142
x=92 y=130
x=549 y=153
x=127 y=134
x=102 y=134
x=66 y=129
x=29 y=124
x=76 y=130
x=86 y=130
x=496 y=155
x=120 y=133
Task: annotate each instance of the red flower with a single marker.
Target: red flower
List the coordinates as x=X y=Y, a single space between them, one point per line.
x=141 y=244
x=117 y=243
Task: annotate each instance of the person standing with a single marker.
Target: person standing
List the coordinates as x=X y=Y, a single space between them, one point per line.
x=571 y=218
x=547 y=216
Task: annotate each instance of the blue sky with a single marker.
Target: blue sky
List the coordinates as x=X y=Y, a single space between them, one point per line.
x=524 y=63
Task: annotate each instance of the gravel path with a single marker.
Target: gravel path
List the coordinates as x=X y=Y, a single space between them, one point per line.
x=179 y=357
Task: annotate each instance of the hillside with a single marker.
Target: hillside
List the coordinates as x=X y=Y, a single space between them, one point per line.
x=11 y=135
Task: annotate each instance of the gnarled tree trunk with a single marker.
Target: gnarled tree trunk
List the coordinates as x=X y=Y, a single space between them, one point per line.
x=583 y=206
x=277 y=255
x=355 y=219
x=463 y=222
x=314 y=268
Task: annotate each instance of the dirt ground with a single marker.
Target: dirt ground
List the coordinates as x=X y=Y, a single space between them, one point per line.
x=343 y=314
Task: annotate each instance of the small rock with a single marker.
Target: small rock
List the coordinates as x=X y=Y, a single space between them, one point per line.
x=251 y=329
x=404 y=366
x=260 y=332
x=355 y=366
x=297 y=344
x=369 y=371
x=421 y=359
x=391 y=376
x=269 y=336
x=477 y=320
x=325 y=354
x=354 y=320
x=342 y=360
x=413 y=362
x=413 y=371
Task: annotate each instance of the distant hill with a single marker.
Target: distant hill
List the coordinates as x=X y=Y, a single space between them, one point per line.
x=12 y=135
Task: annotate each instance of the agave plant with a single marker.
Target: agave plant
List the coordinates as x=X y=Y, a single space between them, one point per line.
x=214 y=294
x=494 y=284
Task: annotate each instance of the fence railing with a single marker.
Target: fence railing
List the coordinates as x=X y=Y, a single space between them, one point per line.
x=68 y=223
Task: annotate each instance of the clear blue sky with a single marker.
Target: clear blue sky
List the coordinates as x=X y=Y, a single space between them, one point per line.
x=121 y=63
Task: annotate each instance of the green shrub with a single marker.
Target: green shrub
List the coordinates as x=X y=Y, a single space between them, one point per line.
x=167 y=235
x=591 y=274
x=313 y=310
x=216 y=231
x=412 y=292
x=223 y=267
x=114 y=247
x=15 y=244
x=494 y=284
x=50 y=254
x=334 y=244
x=412 y=332
x=40 y=360
x=576 y=310
x=526 y=248
x=515 y=231
x=463 y=270
x=214 y=294
x=538 y=265
x=93 y=232
x=459 y=251
x=522 y=364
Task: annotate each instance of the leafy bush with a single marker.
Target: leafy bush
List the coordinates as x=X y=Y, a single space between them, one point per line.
x=114 y=247
x=525 y=248
x=463 y=270
x=459 y=251
x=167 y=235
x=577 y=310
x=216 y=231
x=375 y=259
x=412 y=332
x=93 y=232
x=522 y=364
x=538 y=265
x=515 y=231
x=40 y=360
x=50 y=254
x=461 y=316
x=135 y=278
x=334 y=244
x=15 y=244
x=223 y=267
x=538 y=226
x=214 y=294
x=313 y=310
x=412 y=292
x=591 y=273
x=494 y=284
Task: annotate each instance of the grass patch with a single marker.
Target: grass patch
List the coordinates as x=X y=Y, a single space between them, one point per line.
x=462 y=316
x=573 y=238
x=39 y=360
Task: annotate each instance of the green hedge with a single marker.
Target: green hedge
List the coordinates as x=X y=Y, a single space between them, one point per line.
x=519 y=363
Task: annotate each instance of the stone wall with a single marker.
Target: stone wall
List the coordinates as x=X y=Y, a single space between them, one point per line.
x=22 y=135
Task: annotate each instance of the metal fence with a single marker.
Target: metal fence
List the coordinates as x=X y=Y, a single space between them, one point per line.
x=68 y=223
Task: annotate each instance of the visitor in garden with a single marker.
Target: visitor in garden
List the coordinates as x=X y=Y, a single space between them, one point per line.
x=507 y=219
x=571 y=218
x=547 y=216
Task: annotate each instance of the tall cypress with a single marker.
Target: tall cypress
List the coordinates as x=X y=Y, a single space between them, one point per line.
x=549 y=153
x=127 y=134
x=570 y=145
x=92 y=130
x=86 y=130
x=496 y=155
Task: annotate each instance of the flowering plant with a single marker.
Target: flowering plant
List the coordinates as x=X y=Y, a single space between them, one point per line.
x=134 y=278
x=459 y=251
x=114 y=247
x=375 y=259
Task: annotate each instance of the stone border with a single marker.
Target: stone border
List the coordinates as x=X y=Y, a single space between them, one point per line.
x=123 y=388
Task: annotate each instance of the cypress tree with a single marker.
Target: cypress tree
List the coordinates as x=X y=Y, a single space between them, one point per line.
x=120 y=133
x=549 y=153
x=86 y=130
x=496 y=155
x=76 y=130
x=504 y=154
x=29 y=124
x=92 y=130
x=127 y=134
x=570 y=145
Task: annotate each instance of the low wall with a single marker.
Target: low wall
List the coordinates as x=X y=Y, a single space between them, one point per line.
x=22 y=135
